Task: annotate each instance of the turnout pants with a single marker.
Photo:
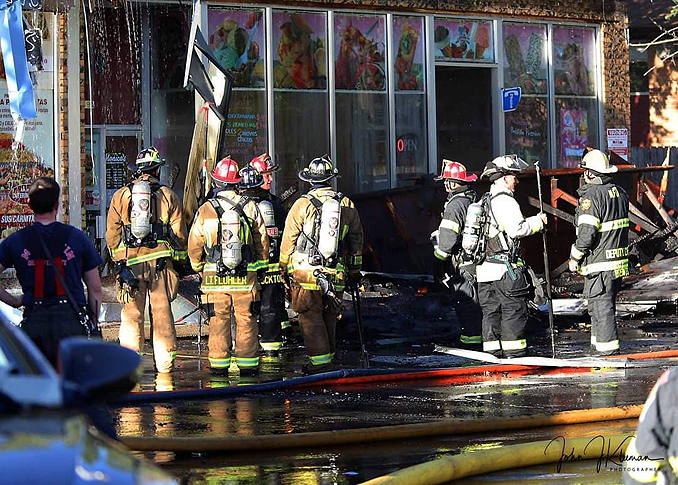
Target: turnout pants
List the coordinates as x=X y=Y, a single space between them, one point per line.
x=504 y=314
x=318 y=324
x=48 y=326
x=465 y=302
x=272 y=315
x=246 y=332
x=161 y=287
x=601 y=291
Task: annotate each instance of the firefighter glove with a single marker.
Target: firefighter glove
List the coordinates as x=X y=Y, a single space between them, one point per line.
x=573 y=265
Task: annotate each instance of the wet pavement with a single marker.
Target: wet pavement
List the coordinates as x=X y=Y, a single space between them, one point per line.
x=336 y=407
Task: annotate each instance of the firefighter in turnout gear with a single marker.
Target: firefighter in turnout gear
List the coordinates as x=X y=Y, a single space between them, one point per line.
x=601 y=251
x=503 y=285
x=457 y=274
x=229 y=247
x=652 y=455
x=321 y=253
x=273 y=318
x=145 y=234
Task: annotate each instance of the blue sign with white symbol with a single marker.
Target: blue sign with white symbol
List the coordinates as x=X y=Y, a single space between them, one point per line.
x=511 y=97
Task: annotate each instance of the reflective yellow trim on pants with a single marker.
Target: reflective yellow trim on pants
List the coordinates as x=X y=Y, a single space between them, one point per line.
x=321 y=359
x=491 y=346
x=247 y=361
x=271 y=345
x=514 y=344
x=606 y=346
x=470 y=339
x=220 y=363
x=285 y=324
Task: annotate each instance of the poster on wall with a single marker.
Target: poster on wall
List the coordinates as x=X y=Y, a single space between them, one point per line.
x=360 y=49
x=573 y=136
x=31 y=158
x=525 y=57
x=526 y=130
x=299 y=54
x=409 y=61
x=573 y=61
x=237 y=40
x=463 y=40
x=618 y=141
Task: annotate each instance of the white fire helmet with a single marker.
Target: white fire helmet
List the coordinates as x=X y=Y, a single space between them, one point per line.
x=597 y=161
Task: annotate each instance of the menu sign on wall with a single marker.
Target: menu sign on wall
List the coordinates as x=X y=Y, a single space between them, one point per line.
x=116 y=173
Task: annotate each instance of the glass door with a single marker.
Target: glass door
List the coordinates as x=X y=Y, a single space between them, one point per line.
x=464 y=115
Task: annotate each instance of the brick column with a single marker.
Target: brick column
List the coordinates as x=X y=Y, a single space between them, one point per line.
x=617 y=94
x=62 y=129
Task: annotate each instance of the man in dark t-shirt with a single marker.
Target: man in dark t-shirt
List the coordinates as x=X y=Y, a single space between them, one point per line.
x=48 y=315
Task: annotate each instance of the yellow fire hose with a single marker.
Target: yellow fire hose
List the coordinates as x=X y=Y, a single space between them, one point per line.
x=379 y=433
x=607 y=449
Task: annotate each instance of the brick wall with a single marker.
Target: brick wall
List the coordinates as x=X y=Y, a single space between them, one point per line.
x=63 y=117
x=62 y=130
x=616 y=83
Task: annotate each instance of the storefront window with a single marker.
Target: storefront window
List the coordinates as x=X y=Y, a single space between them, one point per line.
x=574 y=80
x=466 y=40
x=300 y=91
x=172 y=111
x=361 y=102
x=238 y=43
x=410 y=99
x=525 y=66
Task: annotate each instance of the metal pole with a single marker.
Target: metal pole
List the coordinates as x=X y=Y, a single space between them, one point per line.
x=547 y=274
x=355 y=294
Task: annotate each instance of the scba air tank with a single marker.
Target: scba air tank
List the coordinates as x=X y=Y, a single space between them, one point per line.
x=231 y=245
x=328 y=239
x=140 y=214
x=266 y=209
x=472 y=227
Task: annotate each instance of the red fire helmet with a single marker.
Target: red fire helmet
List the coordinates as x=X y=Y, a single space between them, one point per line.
x=264 y=164
x=455 y=171
x=226 y=172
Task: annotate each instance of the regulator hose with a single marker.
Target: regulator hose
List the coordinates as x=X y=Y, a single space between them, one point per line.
x=604 y=448
x=379 y=433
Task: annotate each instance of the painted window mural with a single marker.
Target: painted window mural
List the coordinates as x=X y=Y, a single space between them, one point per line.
x=525 y=66
x=300 y=97
x=238 y=42
x=409 y=61
x=411 y=143
x=525 y=57
x=360 y=49
x=575 y=90
x=362 y=105
x=457 y=39
x=300 y=55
